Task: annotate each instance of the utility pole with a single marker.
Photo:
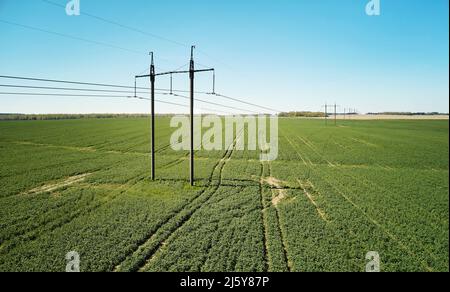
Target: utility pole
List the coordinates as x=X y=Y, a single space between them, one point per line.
x=191 y=73
x=214 y=83
x=326 y=106
x=152 y=82
x=191 y=77
x=171 y=84
x=152 y=76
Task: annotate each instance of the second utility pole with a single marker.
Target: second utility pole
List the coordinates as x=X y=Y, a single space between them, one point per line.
x=335 y=114
x=152 y=81
x=191 y=77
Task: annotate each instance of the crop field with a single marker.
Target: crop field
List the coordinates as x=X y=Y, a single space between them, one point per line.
x=333 y=195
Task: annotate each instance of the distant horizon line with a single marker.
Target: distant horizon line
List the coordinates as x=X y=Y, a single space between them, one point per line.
x=148 y=114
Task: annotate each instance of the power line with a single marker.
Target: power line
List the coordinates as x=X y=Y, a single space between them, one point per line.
x=111 y=46
x=68 y=82
x=102 y=95
x=70 y=36
x=121 y=25
x=67 y=95
x=126 y=87
x=92 y=95
x=137 y=30
x=107 y=96
x=68 y=89
x=89 y=95
x=78 y=83
x=213 y=103
x=216 y=110
x=245 y=102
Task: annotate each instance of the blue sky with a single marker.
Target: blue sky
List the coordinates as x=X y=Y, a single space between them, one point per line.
x=285 y=54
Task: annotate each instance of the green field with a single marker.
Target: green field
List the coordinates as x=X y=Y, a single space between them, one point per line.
x=334 y=194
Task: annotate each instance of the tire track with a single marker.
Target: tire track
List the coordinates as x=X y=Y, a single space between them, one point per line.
x=264 y=220
x=214 y=189
x=368 y=183
x=93 y=171
x=282 y=233
x=57 y=223
x=385 y=230
x=138 y=259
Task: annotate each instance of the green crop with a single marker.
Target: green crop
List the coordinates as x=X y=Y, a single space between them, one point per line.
x=333 y=195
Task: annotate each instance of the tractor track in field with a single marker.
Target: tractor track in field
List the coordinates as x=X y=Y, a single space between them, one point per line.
x=368 y=183
x=86 y=149
x=86 y=211
x=311 y=197
x=282 y=233
x=92 y=172
x=264 y=220
x=163 y=166
x=370 y=219
x=386 y=230
x=212 y=188
x=101 y=151
x=43 y=168
x=174 y=162
x=56 y=164
x=55 y=223
x=144 y=254
x=34 y=234
x=383 y=228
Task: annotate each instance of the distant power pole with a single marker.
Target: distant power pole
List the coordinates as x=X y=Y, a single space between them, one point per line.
x=335 y=114
x=335 y=106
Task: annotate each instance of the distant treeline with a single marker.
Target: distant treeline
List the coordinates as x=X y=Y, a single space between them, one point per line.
x=408 y=114
x=23 y=117
x=302 y=114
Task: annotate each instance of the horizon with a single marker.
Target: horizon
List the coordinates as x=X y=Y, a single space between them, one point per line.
x=168 y=113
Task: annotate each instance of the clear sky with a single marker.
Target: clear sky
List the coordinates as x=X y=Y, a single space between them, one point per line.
x=284 y=54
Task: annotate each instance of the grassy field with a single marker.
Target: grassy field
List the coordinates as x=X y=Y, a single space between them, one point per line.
x=334 y=194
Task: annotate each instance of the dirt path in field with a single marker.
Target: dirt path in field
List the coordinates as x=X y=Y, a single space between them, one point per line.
x=281 y=193
x=275 y=201
x=59 y=185
x=276 y=258
x=30 y=233
x=393 y=117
